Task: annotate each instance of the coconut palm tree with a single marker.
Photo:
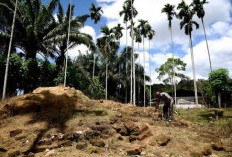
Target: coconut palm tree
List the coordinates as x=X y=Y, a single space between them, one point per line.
x=95 y=13
x=108 y=46
x=150 y=34
x=170 y=11
x=143 y=28
x=58 y=36
x=118 y=32
x=129 y=13
x=198 y=7
x=9 y=50
x=186 y=15
x=33 y=22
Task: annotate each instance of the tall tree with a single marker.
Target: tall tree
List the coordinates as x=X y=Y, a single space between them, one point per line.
x=9 y=50
x=95 y=13
x=129 y=13
x=33 y=22
x=198 y=6
x=143 y=28
x=170 y=11
x=186 y=15
x=108 y=46
x=150 y=35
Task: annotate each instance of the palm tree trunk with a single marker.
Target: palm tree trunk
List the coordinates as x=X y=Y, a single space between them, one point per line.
x=219 y=100
x=202 y=21
x=66 y=63
x=126 y=62
x=131 y=86
x=173 y=66
x=8 y=54
x=193 y=68
x=144 y=93
x=106 y=80
x=150 y=72
x=133 y=57
x=94 y=59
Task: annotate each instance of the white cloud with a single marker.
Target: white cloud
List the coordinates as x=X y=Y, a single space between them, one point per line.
x=218 y=26
x=82 y=49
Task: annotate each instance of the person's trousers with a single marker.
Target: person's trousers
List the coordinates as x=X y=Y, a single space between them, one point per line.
x=168 y=111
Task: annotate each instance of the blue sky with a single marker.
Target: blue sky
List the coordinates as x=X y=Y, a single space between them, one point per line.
x=218 y=22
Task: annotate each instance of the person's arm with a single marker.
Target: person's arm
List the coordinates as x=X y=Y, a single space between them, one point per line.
x=157 y=105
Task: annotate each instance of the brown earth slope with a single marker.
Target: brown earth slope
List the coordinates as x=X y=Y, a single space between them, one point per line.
x=61 y=121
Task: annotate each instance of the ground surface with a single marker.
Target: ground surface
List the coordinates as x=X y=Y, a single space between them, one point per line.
x=59 y=121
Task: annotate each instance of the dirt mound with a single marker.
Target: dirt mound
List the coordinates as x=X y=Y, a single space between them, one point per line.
x=61 y=121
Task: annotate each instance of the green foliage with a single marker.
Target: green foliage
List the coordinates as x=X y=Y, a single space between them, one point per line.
x=219 y=80
x=166 y=70
x=48 y=73
x=14 y=81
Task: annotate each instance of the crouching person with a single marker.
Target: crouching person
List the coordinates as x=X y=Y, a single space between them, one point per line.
x=168 y=105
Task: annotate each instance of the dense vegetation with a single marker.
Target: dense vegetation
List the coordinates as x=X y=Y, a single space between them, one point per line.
x=105 y=71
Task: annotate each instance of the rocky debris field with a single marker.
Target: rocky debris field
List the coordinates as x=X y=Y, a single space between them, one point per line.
x=61 y=121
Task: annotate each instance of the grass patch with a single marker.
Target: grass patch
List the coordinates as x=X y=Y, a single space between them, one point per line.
x=206 y=116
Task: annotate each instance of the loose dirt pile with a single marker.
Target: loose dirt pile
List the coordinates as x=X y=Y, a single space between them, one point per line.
x=61 y=121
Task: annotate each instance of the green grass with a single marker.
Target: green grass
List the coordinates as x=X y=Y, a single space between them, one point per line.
x=206 y=116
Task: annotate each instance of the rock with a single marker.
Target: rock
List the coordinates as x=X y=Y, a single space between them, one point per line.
x=98 y=143
x=195 y=154
x=101 y=101
x=90 y=134
x=68 y=136
x=206 y=151
x=92 y=150
x=101 y=128
x=119 y=137
x=163 y=140
x=217 y=146
x=44 y=142
x=50 y=153
x=81 y=145
x=113 y=120
x=131 y=127
x=119 y=115
x=143 y=128
x=15 y=132
x=14 y=153
x=121 y=130
x=60 y=136
x=133 y=138
x=67 y=143
x=30 y=154
x=135 y=150
x=18 y=138
x=145 y=134
x=79 y=135
x=104 y=136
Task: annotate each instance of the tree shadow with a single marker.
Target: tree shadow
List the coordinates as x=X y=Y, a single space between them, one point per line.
x=54 y=110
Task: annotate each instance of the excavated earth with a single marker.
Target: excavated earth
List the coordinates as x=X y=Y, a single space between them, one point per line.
x=61 y=121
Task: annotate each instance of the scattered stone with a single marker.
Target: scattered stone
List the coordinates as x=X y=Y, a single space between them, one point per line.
x=68 y=136
x=206 y=151
x=44 y=142
x=119 y=137
x=67 y=143
x=14 y=153
x=135 y=150
x=195 y=154
x=104 y=136
x=98 y=143
x=20 y=137
x=79 y=135
x=145 y=134
x=132 y=128
x=92 y=150
x=90 y=134
x=13 y=133
x=217 y=146
x=50 y=153
x=119 y=115
x=113 y=120
x=163 y=140
x=133 y=138
x=81 y=145
x=60 y=136
x=143 y=128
